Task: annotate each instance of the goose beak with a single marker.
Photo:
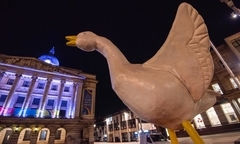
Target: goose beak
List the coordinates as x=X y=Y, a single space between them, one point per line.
x=71 y=40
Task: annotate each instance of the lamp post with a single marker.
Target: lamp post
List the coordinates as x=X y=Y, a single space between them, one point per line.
x=236 y=11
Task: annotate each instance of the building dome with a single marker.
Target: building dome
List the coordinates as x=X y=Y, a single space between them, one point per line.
x=50 y=58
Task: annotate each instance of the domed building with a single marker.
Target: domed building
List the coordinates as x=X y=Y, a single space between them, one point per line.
x=50 y=58
x=42 y=102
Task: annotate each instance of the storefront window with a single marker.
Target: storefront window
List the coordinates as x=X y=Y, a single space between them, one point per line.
x=213 y=118
x=229 y=113
x=199 y=121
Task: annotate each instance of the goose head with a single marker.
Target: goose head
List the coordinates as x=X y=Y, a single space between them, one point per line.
x=86 y=41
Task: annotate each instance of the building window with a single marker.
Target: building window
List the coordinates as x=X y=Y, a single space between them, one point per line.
x=199 y=121
x=43 y=135
x=19 y=102
x=50 y=104
x=58 y=135
x=123 y=125
x=27 y=135
x=54 y=87
x=35 y=103
x=236 y=43
x=234 y=84
x=236 y=106
x=132 y=123
x=212 y=116
x=66 y=89
x=2 y=99
x=40 y=85
x=217 y=88
x=10 y=81
x=229 y=113
x=64 y=104
x=26 y=84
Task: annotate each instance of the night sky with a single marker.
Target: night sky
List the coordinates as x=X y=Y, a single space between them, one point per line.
x=138 y=29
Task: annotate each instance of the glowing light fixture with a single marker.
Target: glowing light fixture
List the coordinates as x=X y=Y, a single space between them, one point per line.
x=236 y=11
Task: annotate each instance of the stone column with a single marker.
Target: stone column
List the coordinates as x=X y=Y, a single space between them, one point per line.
x=120 y=127
x=52 y=135
x=28 y=97
x=10 y=94
x=91 y=134
x=58 y=103
x=128 y=132
x=73 y=100
x=107 y=131
x=78 y=100
x=43 y=100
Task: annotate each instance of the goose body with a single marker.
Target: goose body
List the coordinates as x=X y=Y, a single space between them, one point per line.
x=169 y=88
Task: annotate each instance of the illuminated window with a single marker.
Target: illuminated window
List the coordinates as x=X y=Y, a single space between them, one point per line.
x=54 y=87
x=236 y=106
x=213 y=118
x=43 y=135
x=233 y=83
x=66 y=89
x=2 y=99
x=199 y=121
x=40 y=85
x=26 y=84
x=216 y=88
x=229 y=113
x=10 y=81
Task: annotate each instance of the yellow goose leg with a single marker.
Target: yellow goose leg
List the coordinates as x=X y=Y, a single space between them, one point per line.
x=192 y=133
x=173 y=136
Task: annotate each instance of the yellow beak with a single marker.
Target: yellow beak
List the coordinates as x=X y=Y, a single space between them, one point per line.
x=71 y=40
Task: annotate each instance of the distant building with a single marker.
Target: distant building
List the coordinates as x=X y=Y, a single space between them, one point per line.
x=224 y=116
x=42 y=102
x=124 y=126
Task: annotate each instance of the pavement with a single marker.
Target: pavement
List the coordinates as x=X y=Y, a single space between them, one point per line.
x=223 y=138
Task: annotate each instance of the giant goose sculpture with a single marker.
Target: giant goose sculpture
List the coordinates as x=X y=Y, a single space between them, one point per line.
x=170 y=88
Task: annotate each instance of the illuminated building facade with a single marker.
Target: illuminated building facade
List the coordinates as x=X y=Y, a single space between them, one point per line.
x=42 y=102
x=123 y=126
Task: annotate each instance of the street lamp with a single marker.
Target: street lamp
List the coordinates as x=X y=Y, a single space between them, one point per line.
x=236 y=11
